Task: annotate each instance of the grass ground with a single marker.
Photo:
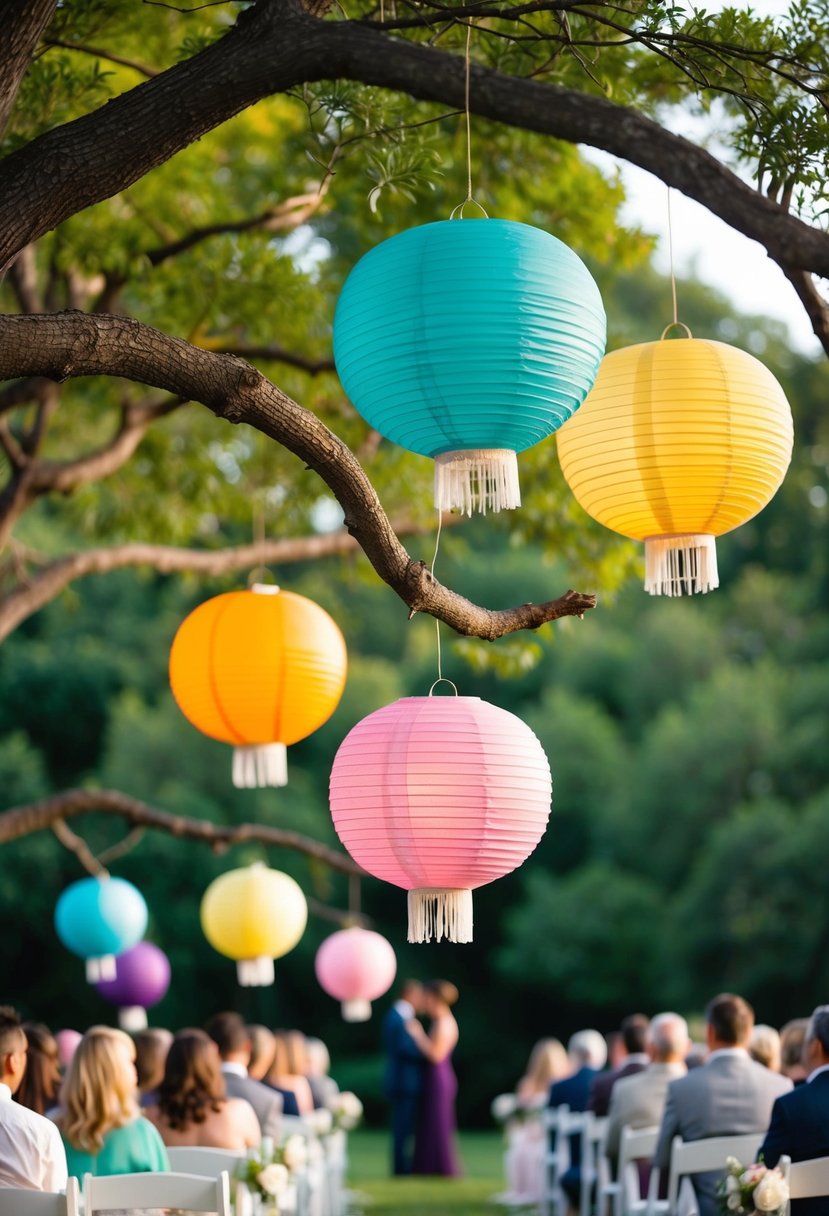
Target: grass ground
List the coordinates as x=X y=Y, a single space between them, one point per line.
x=376 y=1194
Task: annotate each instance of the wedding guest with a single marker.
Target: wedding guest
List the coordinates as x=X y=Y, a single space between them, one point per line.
x=729 y=1095
x=193 y=1107
x=41 y=1081
x=318 y=1065
x=151 y=1047
x=764 y=1047
x=262 y=1047
x=99 y=1120
x=405 y=1069
x=229 y=1033
x=435 y=1150
x=526 y=1147
x=284 y=1077
x=32 y=1155
x=634 y=1033
x=799 y=1125
x=639 y=1100
x=792 y=1039
x=588 y=1053
x=547 y=1063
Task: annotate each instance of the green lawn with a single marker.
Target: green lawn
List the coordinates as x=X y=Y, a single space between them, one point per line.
x=376 y=1194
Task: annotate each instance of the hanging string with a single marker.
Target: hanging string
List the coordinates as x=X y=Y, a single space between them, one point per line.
x=468 y=118
x=671 y=256
x=354 y=896
x=260 y=571
x=432 y=572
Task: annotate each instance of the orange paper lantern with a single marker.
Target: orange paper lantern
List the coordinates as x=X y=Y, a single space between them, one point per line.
x=260 y=669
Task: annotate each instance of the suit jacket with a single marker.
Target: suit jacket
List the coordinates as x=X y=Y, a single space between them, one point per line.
x=266 y=1102
x=800 y=1128
x=603 y=1084
x=729 y=1095
x=574 y=1091
x=639 y=1100
x=405 y=1066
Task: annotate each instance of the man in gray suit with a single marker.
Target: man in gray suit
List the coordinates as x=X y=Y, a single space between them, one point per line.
x=729 y=1095
x=639 y=1100
x=230 y=1034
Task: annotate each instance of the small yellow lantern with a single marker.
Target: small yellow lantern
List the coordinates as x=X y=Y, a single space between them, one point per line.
x=254 y=915
x=260 y=669
x=678 y=442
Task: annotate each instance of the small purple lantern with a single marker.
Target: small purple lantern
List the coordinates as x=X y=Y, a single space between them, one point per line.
x=142 y=977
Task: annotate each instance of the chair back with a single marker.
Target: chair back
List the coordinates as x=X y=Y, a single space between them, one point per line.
x=636 y=1144
x=702 y=1156
x=188 y=1192
x=806 y=1179
x=205 y=1162
x=18 y=1201
x=593 y=1136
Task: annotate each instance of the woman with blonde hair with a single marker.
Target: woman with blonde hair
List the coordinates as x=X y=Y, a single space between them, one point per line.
x=526 y=1143
x=192 y=1107
x=547 y=1063
x=99 y=1121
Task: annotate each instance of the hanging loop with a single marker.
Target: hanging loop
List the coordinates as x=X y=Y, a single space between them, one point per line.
x=260 y=574
x=676 y=324
x=443 y=680
x=459 y=209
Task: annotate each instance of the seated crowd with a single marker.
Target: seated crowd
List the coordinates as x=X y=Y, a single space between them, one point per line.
x=744 y=1079
x=121 y=1101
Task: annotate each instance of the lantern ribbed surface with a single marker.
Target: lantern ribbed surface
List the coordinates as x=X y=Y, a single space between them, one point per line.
x=469 y=337
x=355 y=966
x=254 y=915
x=259 y=669
x=440 y=795
x=678 y=442
x=142 y=977
x=99 y=918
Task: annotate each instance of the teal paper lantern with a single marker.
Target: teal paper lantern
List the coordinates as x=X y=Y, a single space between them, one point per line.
x=98 y=919
x=468 y=341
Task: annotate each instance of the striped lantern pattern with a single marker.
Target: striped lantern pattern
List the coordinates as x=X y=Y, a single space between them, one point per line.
x=678 y=442
x=355 y=966
x=468 y=341
x=440 y=795
x=253 y=915
x=259 y=669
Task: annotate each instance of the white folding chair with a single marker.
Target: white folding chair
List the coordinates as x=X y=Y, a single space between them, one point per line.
x=593 y=1136
x=205 y=1162
x=188 y=1192
x=806 y=1179
x=564 y=1123
x=690 y=1157
x=625 y=1191
x=17 y=1201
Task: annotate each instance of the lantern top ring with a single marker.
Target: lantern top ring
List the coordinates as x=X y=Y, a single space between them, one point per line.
x=675 y=325
x=443 y=680
x=457 y=212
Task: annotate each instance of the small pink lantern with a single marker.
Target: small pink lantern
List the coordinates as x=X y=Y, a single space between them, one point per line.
x=440 y=795
x=355 y=966
x=67 y=1041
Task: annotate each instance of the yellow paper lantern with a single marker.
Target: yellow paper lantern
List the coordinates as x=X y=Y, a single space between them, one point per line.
x=260 y=669
x=254 y=915
x=678 y=442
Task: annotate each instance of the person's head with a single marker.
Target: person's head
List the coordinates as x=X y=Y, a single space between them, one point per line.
x=279 y=1067
x=193 y=1084
x=98 y=1092
x=261 y=1051
x=151 y=1047
x=39 y=1088
x=13 y=1048
x=319 y=1061
x=729 y=1021
x=634 y=1030
x=587 y=1049
x=816 y=1042
x=616 y=1051
x=547 y=1063
x=412 y=991
x=438 y=997
x=764 y=1047
x=297 y=1053
x=230 y=1034
x=792 y=1040
x=668 y=1040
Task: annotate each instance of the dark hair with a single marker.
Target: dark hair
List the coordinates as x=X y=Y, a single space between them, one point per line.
x=819 y=1027
x=11 y=1030
x=407 y=986
x=39 y=1088
x=635 y=1033
x=229 y=1032
x=731 y=1018
x=446 y=991
x=151 y=1047
x=193 y=1083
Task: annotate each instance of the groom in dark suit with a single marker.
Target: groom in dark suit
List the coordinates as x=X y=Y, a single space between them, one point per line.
x=404 y=1073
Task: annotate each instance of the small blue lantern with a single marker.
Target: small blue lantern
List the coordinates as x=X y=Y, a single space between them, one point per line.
x=99 y=918
x=469 y=341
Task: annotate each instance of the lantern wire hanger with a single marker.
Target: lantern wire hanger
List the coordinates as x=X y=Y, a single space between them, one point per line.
x=441 y=678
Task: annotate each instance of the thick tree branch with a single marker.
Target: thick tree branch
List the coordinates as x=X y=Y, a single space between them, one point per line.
x=75 y=344
x=20 y=29
x=21 y=821
x=817 y=307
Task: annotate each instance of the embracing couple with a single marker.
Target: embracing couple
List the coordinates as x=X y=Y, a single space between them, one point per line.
x=420 y=1081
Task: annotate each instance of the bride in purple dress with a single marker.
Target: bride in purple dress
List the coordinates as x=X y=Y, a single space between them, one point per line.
x=435 y=1151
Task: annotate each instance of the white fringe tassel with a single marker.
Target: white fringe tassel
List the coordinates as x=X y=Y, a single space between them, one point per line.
x=680 y=565
x=132 y=1017
x=255 y=972
x=102 y=968
x=436 y=913
x=484 y=479
x=260 y=766
x=356 y=1010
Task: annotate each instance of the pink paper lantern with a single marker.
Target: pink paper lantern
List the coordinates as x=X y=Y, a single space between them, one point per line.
x=67 y=1041
x=440 y=795
x=355 y=966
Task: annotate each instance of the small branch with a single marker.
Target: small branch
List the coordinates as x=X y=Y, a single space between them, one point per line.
x=23 y=279
x=285 y=217
x=276 y=354
x=77 y=845
x=22 y=821
x=143 y=69
x=817 y=308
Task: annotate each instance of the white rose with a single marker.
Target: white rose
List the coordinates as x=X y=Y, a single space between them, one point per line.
x=350 y=1105
x=502 y=1107
x=272 y=1179
x=294 y=1152
x=732 y=1186
x=733 y=1201
x=320 y=1121
x=771 y=1192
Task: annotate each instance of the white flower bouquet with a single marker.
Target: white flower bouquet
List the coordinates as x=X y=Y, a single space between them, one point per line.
x=268 y=1170
x=346 y=1110
x=752 y=1190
